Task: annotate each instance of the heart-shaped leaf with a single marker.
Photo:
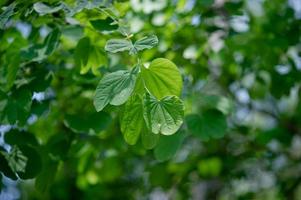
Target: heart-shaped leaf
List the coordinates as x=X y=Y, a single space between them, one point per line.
x=211 y=124
x=163 y=116
x=162 y=78
x=132 y=119
x=115 y=88
x=168 y=146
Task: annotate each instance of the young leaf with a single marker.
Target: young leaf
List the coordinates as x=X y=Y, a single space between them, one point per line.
x=212 y=124
x=147 y=42
x=16 y=159
x=163 y=116
x=44 y=9
x=4 y=166
x=104 y=24
x=162 y=78
x=168 y=146
x=132 y=119
x=6 y=14
x=115 y=88
x=117 y=45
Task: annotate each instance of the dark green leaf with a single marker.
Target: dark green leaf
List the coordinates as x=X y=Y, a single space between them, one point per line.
x=104 y=24
x=168 y=146
x=52 y=41
x=81 y=54
x=16 y=137
x=33 y=165
x=86 y=123
x=211 y=124
x=47 y=176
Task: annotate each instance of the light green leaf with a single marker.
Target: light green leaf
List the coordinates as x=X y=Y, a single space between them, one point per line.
x=16 y=160
x=88 y=57
x=147 y=42
x=168 y=146
x=132 y=119
x=44 y=9
x=163 y=116
x=162 y=78
x=115 y=88
x=211 y=124
x=117 y=45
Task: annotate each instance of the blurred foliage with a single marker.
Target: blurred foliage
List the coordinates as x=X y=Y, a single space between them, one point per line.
x=197 y=99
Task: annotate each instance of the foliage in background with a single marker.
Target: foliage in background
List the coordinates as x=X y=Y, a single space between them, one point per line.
x=103 y=99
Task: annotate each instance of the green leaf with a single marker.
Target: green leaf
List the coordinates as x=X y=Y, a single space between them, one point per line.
x=163 y=116
x=117 y=45
x=4 y=167
x=132 y=119
x=16 y=137
x=17 y=107
x=52 y=41
x=87 y=56
x=87 y=123
x=44 y=9
x=16 y=159
x=148 y=139
x=168 y=146
x=210 y=167
x=162 y=78
x=81 y=54
x=74 y=32
x=47 y=176
x=115 y=88
x=211 y=124
x=147 y=42
x=34 y=162
x=104 y=24
x=6 y=14
x=12 y=68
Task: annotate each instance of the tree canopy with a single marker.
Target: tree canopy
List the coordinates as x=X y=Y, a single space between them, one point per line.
x=150 y=99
